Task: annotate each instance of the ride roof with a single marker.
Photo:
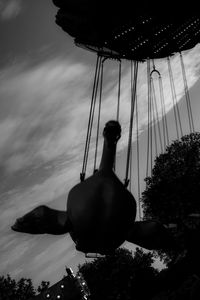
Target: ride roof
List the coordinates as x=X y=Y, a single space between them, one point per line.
x=129 y=29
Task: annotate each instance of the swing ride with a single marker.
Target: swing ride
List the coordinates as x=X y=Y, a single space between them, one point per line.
x=133 y=30
x=101 y=211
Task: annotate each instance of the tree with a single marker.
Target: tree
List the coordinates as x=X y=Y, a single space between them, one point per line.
x=172 y=192
x=121 y=276
x=23 y=289
x=43 y=286
x=10 y=289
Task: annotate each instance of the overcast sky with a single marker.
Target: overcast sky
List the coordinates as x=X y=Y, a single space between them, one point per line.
x=45 y=90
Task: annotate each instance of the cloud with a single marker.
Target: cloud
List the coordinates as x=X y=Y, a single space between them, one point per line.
x=44 y=110
x=10 y=9
x=40 y=122
x=7 y=128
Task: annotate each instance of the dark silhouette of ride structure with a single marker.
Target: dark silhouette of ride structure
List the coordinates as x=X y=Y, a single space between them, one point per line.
x=133 y=30
x=100 y=213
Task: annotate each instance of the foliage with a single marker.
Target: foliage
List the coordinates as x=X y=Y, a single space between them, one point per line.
x=182 y=292
x=10 y=289
x=23 y=289
x=43 y=286
x=172 y=192
x=121 y=276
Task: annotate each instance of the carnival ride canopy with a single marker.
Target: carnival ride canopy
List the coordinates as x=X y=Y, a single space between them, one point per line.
x=135 y=30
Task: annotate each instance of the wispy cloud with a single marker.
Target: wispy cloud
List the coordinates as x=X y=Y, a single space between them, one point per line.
x=42 y=112
x=45 y=109
x=10 y=9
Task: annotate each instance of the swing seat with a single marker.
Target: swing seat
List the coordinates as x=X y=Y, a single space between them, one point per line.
x=101 y=210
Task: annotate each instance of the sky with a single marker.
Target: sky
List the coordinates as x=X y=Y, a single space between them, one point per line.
x=45 y=92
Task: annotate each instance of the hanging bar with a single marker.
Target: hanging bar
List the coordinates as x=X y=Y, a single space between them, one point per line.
x=151 y=129
x=157 y=115
x=99 y=115
x=148 y=126
x=173 y=90
x=154 y=125
x=130 y=169
x=119 y=91
x=138 y=157
x=91 y=116
x=118 y=102
x=133 y=97
x=187 y=95
x=173 y=98
x=164 y=116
